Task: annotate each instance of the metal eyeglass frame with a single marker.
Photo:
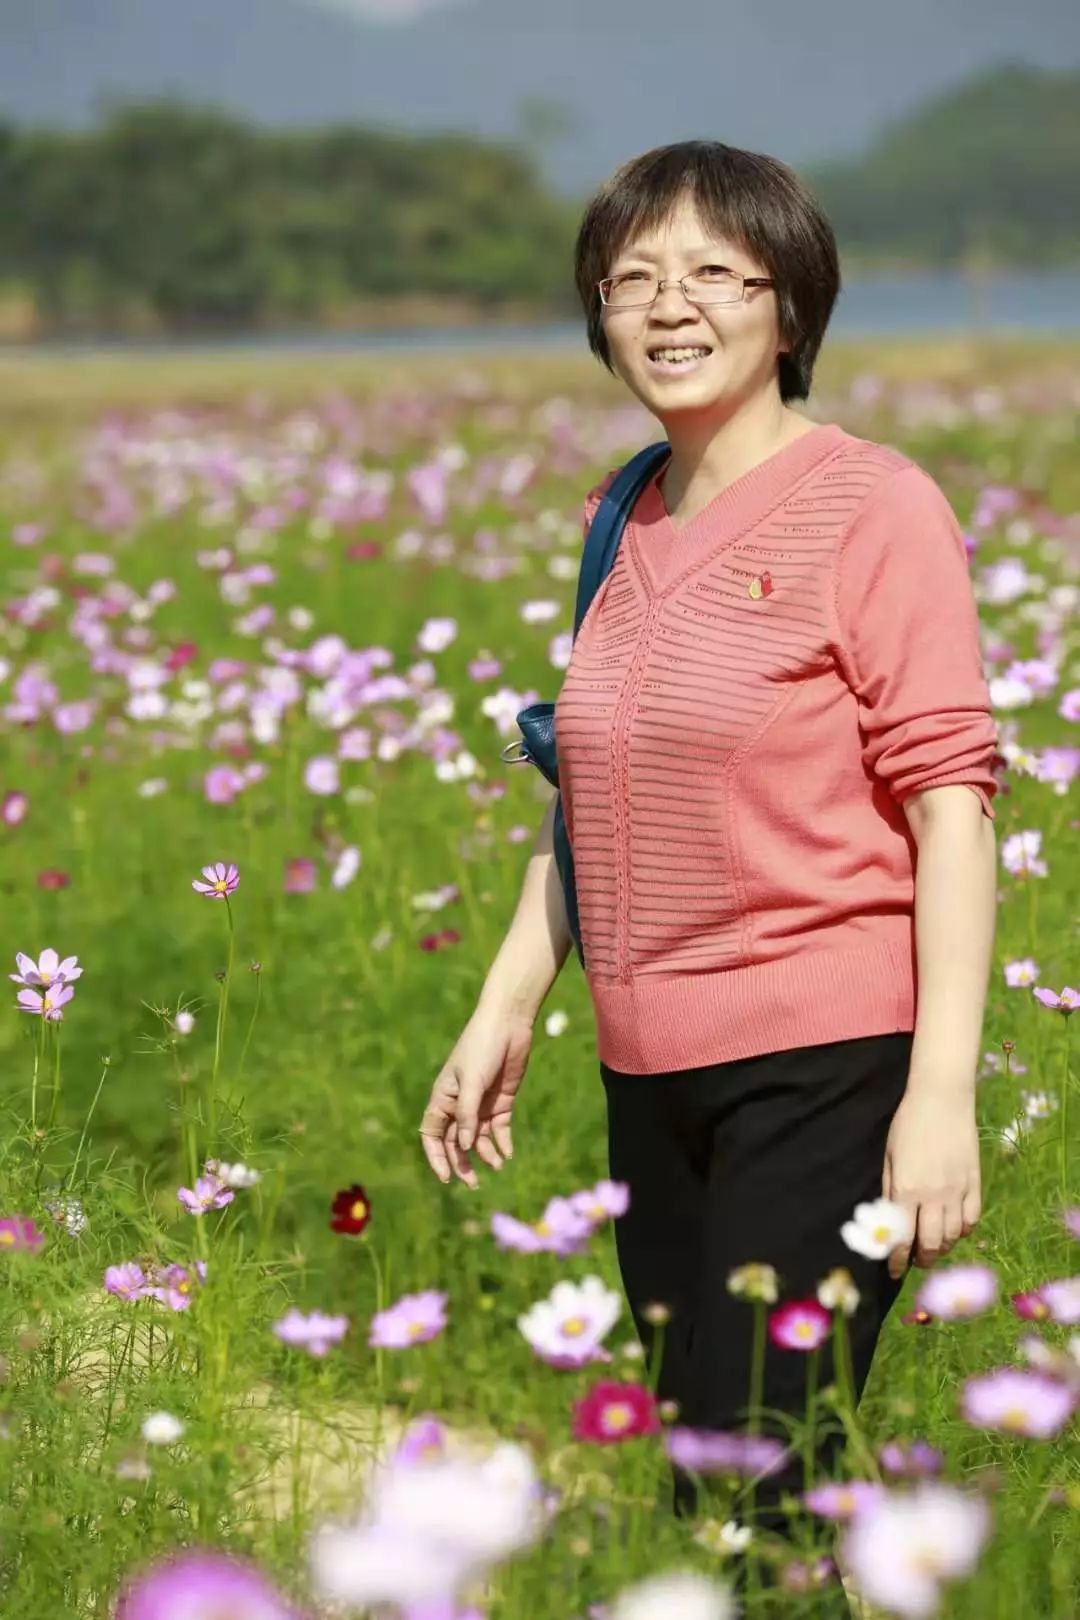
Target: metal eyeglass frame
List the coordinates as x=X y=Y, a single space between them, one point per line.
x=747 y=281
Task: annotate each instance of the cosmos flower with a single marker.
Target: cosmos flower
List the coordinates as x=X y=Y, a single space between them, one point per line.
x=613 y=1411
x=904 y=1546
x=46 y=971
x=802 y=1324
x=350 y=1211
x=46 y=1004
x=202 y=1584
x=127 y=1281
x=221 y=881
x=723 y=1451
x=161 y=1429
x=842 y=1499
x=1017 y=1400
x=955 y=1293
x=415 y=1319
x=208 y=1193
x=316 y=1333
x=877 y=1228
x=566 y=1328
x=18 y=1232
x=682 y=1592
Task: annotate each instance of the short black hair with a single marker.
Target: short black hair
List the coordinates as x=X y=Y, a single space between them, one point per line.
x=750 y=198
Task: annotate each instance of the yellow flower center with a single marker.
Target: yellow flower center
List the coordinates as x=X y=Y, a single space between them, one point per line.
x=804 y=1330
x=7 y=1237
x=220 y=885
x=574 y=1325
x=618 y=1415
x=881 y=1234
x=415 y=1329
x=1014 y=1418
x=358 y=1210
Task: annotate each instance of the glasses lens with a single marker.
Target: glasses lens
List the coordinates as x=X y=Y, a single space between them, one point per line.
x=635 y=287
x=709 y=286
x=706 y=286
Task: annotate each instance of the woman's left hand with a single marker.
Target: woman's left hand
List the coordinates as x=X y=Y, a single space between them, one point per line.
x=932 y=1169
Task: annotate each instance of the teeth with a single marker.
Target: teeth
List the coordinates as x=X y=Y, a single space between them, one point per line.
x=679 y=354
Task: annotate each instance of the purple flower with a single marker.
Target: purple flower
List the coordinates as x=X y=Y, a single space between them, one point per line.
x=912 y=1459
x=127 y=1281
x=174 y=1285
x=561 y=1230
x=13 y=808
x=46 y=1004
x=712 y=1451
x=203 y=1585
x=221 y=881
x=315 y=1333
x=46 y=971
x=19 y=1232
x=842 y=1499
x=957 y=1292
x=1066 y=1002
x=1015 y=1401
x=209 y=1193
x=415 y=1319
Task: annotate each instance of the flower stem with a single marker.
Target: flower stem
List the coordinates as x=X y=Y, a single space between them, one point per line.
x=811 y=1393
x=219 y=1035
x=1065 y=1118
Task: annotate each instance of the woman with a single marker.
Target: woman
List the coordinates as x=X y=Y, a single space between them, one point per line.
x=775 y=752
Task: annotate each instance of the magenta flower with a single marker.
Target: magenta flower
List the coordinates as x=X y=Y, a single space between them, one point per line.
x=48 y=1004
x=19 y=1232
x=315 y=1333
x=221 y=881
x=415 y=1319
x=1030 y=1305
x=46 y=971
x=424 y=1438
x=1015 y=1401
x=803 y=1324
x=127 y=1281
x=301 y=875
x=209 y=1193
x=202 y=1585
x=842 y=1499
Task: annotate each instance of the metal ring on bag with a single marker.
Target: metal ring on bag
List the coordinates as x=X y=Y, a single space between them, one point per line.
x=518 y=759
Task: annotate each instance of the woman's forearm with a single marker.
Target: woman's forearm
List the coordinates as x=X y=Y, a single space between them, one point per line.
x=538 y=939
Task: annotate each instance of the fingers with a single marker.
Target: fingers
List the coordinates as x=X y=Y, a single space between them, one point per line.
x=970 y=1210
x=898 y=1259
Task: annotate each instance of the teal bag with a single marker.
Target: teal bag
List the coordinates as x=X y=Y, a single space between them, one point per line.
x=537 y=722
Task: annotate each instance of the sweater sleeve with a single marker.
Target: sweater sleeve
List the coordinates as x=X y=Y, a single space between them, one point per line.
x=909 y=642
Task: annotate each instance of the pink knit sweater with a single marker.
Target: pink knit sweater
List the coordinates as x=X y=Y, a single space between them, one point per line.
x=750 y=699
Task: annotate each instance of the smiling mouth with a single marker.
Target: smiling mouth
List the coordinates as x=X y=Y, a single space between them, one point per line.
x=697 y=350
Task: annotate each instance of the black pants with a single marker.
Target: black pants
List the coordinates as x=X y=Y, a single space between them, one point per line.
x=761 y=1159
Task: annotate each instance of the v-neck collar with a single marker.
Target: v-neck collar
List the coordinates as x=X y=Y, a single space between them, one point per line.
x=675 y=550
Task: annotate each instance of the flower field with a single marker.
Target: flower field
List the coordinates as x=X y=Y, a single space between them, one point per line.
x=262 y=639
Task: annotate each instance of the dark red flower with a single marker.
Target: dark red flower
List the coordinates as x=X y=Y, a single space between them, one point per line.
x=350 y=1211
x=182 y=654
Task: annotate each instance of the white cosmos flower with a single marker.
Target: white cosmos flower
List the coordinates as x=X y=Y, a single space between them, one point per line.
x=877 y=1228
x=161 y=1429
x=681 y=1592
x=346 y=867
x=572 y=1320
x=900 y=1547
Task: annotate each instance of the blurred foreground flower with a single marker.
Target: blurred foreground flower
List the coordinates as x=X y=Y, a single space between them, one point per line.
x=877 y=1228
x=957 y=1292
x=429 y=1527
x=203 y=1585
x=902 y=1547
x=1015 y=1400
x=221 y=881
x=681 y=1592
x=19 y=1232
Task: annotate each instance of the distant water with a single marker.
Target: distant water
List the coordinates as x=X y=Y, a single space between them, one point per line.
x=1016 y=304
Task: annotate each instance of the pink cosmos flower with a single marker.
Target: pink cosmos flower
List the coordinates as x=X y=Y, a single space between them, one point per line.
x=1030 y=1305
x=1072 y=1220
x=1066 y=1002
x=721 y=1451
x=300 y=875
x=561 y=1230
x=175 y=1285
x=222 y=783
x=127 y=1281
x=201 y=1584
x=222 y=881
x=803 y=1324
x=19 y=1232
x=315 y=1333
x=955 y=1293
x=906 y=1544
x=1016 y=1401
x=842 y=1499
x=208 y=1193
x=1062 y=1297
x=47 y=970
x=13 y=808
x=46 y=1005
x=607 y=1200
x=424 y=1438
x=415 y=1319
x=321 y=775
x=910 y=1459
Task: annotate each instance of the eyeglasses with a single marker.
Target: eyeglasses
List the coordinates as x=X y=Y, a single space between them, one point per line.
x=709 y=285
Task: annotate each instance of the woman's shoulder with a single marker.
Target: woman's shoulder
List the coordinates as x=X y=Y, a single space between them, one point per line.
x=597 y=493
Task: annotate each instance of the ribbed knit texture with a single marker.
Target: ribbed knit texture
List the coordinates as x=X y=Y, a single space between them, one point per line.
x=749 y=700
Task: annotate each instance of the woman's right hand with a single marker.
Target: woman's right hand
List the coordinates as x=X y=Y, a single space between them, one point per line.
x=473 y=1095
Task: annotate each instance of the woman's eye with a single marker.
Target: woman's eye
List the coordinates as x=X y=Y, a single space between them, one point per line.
x=714 y=269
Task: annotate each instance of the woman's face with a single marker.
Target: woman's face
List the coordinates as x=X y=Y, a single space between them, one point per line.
x=743 y=339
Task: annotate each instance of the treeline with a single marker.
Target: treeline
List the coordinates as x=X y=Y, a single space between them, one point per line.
x=174 y=217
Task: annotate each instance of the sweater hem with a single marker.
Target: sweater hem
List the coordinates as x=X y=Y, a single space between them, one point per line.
x=664 y=1023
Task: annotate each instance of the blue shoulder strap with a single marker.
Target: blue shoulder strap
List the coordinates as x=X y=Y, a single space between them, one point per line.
x=605 y=531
